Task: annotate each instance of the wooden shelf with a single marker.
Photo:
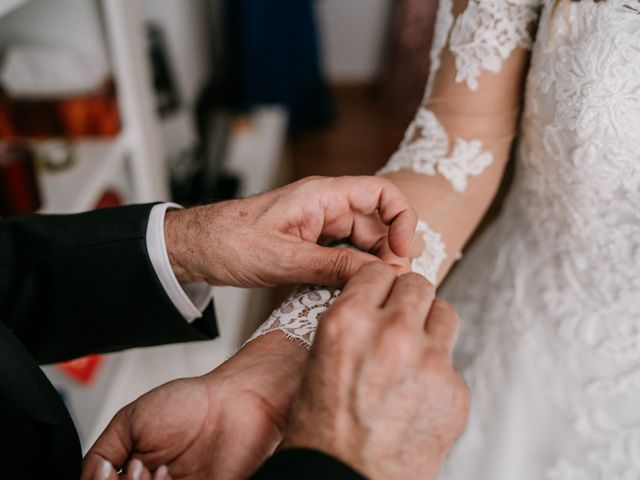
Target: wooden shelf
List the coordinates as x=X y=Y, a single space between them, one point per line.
x=77 y=188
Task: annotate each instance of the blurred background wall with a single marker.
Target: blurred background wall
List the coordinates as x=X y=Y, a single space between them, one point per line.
x=354 y=35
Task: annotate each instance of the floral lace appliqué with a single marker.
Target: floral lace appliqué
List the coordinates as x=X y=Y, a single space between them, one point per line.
x=486 y=33
x=424 y=150
x=433 y=253
x=425 y=144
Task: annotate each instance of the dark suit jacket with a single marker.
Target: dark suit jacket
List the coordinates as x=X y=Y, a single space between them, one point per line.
x=72 y=285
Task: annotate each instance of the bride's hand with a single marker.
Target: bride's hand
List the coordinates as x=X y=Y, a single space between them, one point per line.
x=219 y=426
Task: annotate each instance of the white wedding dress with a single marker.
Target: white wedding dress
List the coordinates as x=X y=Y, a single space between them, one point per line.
x=549 y=295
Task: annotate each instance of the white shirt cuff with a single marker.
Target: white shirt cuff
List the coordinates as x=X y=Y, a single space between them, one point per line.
x=190 y=299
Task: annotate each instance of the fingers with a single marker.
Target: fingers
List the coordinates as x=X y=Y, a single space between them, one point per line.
x=137 y=471
x=402 y=219
x=384 y=253
x=442 y=326
x=412 y=294
x=114 y=445
x=103 y=471
x=329 y=266
x=370 y=285
x=162 y=473
x=368 y=194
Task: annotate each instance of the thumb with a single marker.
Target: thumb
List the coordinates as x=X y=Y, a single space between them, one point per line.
x=331 y=266
x=114 y=445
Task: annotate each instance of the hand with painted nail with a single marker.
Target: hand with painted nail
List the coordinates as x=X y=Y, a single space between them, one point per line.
x=220 y=426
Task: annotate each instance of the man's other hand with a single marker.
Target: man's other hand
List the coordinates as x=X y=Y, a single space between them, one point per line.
x=380 y=392
x=220 y=426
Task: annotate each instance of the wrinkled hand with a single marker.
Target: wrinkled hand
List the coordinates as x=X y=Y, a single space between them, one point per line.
x=219 y=426
x=379 y=391
x=272 y=239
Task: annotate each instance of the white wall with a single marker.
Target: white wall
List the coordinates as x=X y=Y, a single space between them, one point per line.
x=353 y=37
x=72 y=23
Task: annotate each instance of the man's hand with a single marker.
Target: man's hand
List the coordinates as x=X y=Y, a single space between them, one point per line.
x=379 y=391
x=272 y=239
x=219 y=426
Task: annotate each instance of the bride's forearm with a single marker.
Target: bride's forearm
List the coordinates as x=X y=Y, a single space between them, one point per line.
x=452 y=215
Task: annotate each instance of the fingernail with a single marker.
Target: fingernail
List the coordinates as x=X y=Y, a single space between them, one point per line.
x=161 y=473
x=104 y=470
x=136 y=469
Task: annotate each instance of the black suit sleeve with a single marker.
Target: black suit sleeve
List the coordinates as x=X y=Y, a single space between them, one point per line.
x=77 y=284
x=297 y=464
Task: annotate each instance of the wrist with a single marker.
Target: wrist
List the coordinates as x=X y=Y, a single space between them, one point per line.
x=271 y=365
x=185 y=245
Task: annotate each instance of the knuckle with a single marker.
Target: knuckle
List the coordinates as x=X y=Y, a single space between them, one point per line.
x=342 y=319
x=332 y=326
x=461 y=401
x=437 y=364
x=401 y=316
x=396 y=334
x=444 y=307
x=311 y=178
x=394 y=346
x=386 y=183
x=377 y=269
x=341 y=265
x=446 y=310
x=418 y=281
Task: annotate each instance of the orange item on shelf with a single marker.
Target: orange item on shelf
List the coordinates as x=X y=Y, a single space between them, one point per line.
x=82 y=370
x=88 y=115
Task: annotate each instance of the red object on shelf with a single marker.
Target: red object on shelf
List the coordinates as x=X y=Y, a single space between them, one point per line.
x=82 y=370
x=88 y=115
x=19 y=194
x=110 y=198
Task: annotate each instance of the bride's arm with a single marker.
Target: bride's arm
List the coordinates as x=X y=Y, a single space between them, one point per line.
x=454 y=154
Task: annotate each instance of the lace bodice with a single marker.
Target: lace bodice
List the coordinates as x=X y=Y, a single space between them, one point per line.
x=550 y=294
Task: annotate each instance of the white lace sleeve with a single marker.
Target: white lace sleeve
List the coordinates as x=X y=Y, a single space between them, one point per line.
x=480 y=38
x=297 y=318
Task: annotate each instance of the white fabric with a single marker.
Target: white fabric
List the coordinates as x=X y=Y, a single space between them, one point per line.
x=550 y=294
x=190 y=299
